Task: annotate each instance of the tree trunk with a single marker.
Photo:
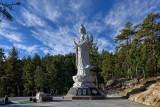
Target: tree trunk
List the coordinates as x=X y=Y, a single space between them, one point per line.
x=154 y=54
x=143 y=73
x=112 y=74
x=155 y=66
x=131 y=72
x=18 y=92
x=136 y=71
x=128 y=73
x=155 y=61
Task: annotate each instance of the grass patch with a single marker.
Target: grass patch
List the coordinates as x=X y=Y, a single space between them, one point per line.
x=25 y=102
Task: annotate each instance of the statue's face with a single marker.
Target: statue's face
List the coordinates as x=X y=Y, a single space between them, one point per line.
x=82 y=30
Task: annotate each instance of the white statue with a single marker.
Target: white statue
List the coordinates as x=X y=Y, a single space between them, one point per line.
x=82 y=53
x=83 y=77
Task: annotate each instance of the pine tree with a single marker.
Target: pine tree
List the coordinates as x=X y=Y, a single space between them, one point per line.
x=40 y=78
x=124 y=40
x=149 y=33
x=135 y=57
x=13 y=73
x=50 y=72
x=70 y=70
x=95 y=61
x=121 y=63
x=107 y=66
x=2 y=73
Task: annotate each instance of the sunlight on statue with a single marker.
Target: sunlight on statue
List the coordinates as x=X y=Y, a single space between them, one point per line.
x=82 y=59
x=82 y=53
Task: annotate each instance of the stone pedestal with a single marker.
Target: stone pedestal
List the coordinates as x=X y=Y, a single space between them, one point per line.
x=83 y=93
x=83 y=89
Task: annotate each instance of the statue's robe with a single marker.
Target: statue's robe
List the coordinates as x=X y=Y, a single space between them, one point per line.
x=83 y=64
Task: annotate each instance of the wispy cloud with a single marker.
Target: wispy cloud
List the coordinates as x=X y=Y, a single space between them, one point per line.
x=129 y=10
x=11 y=35
x=59 y=41
x=57 y=23
x=6 y=47
x=29 y=49
x=50 y=9
x=30 y=19
x=103 y=43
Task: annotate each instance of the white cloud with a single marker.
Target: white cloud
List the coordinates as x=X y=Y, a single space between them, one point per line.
x=10 y=32
x=6 y=25
x=46 y=50
x=11 y=35
x=60 y=41
x=103 y=43
x=6 y=54
x=50 y=9
x=5 y=47
x=30 y=19
x=29 y=49
x=129 y=10
x=56 y=23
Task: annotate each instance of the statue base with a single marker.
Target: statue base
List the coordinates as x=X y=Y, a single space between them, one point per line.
x=84 y=93
x=83 y=81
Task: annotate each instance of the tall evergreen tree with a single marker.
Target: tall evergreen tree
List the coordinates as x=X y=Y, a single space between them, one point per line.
x=135 y=58
x=149 y=33
x=124 y=40
x=29 y=72
x=13 y=73
x=2 y=73
x=95 y=61
x=40 y=77
x=50 y=72
x=107 y=66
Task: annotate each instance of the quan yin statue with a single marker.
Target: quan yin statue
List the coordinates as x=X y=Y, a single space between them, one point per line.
x=83 y=87
x=83 y=77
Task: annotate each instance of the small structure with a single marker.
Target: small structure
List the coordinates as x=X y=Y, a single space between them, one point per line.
x=41 y=96
x=83 y=88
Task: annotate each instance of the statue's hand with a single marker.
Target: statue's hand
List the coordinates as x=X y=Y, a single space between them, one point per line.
x=75 y=41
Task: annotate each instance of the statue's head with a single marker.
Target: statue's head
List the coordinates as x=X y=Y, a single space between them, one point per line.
x=82 y=30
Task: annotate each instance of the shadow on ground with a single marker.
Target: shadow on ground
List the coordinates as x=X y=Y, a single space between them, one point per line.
x=61 y=100
x=141 y=89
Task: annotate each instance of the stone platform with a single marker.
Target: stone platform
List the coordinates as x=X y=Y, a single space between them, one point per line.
x=84 y=93
x=58 y=101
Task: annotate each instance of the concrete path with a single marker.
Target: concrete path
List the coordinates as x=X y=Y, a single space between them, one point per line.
x=59 y=102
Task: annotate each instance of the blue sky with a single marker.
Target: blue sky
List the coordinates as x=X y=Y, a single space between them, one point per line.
x=49 y=26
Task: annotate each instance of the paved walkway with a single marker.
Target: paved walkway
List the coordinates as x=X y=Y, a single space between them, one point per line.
x=59 y=102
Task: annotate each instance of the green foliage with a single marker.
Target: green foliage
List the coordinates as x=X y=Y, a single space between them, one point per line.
x=2 y=73
x=149 y=33
x=96 y=61
x=28 y=76
x=107 y=66
x=12 y=74
x=124 y=40
x=39 y=77
x=5 y=9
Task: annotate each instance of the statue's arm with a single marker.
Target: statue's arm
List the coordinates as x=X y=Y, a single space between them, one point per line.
x=75 y=42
